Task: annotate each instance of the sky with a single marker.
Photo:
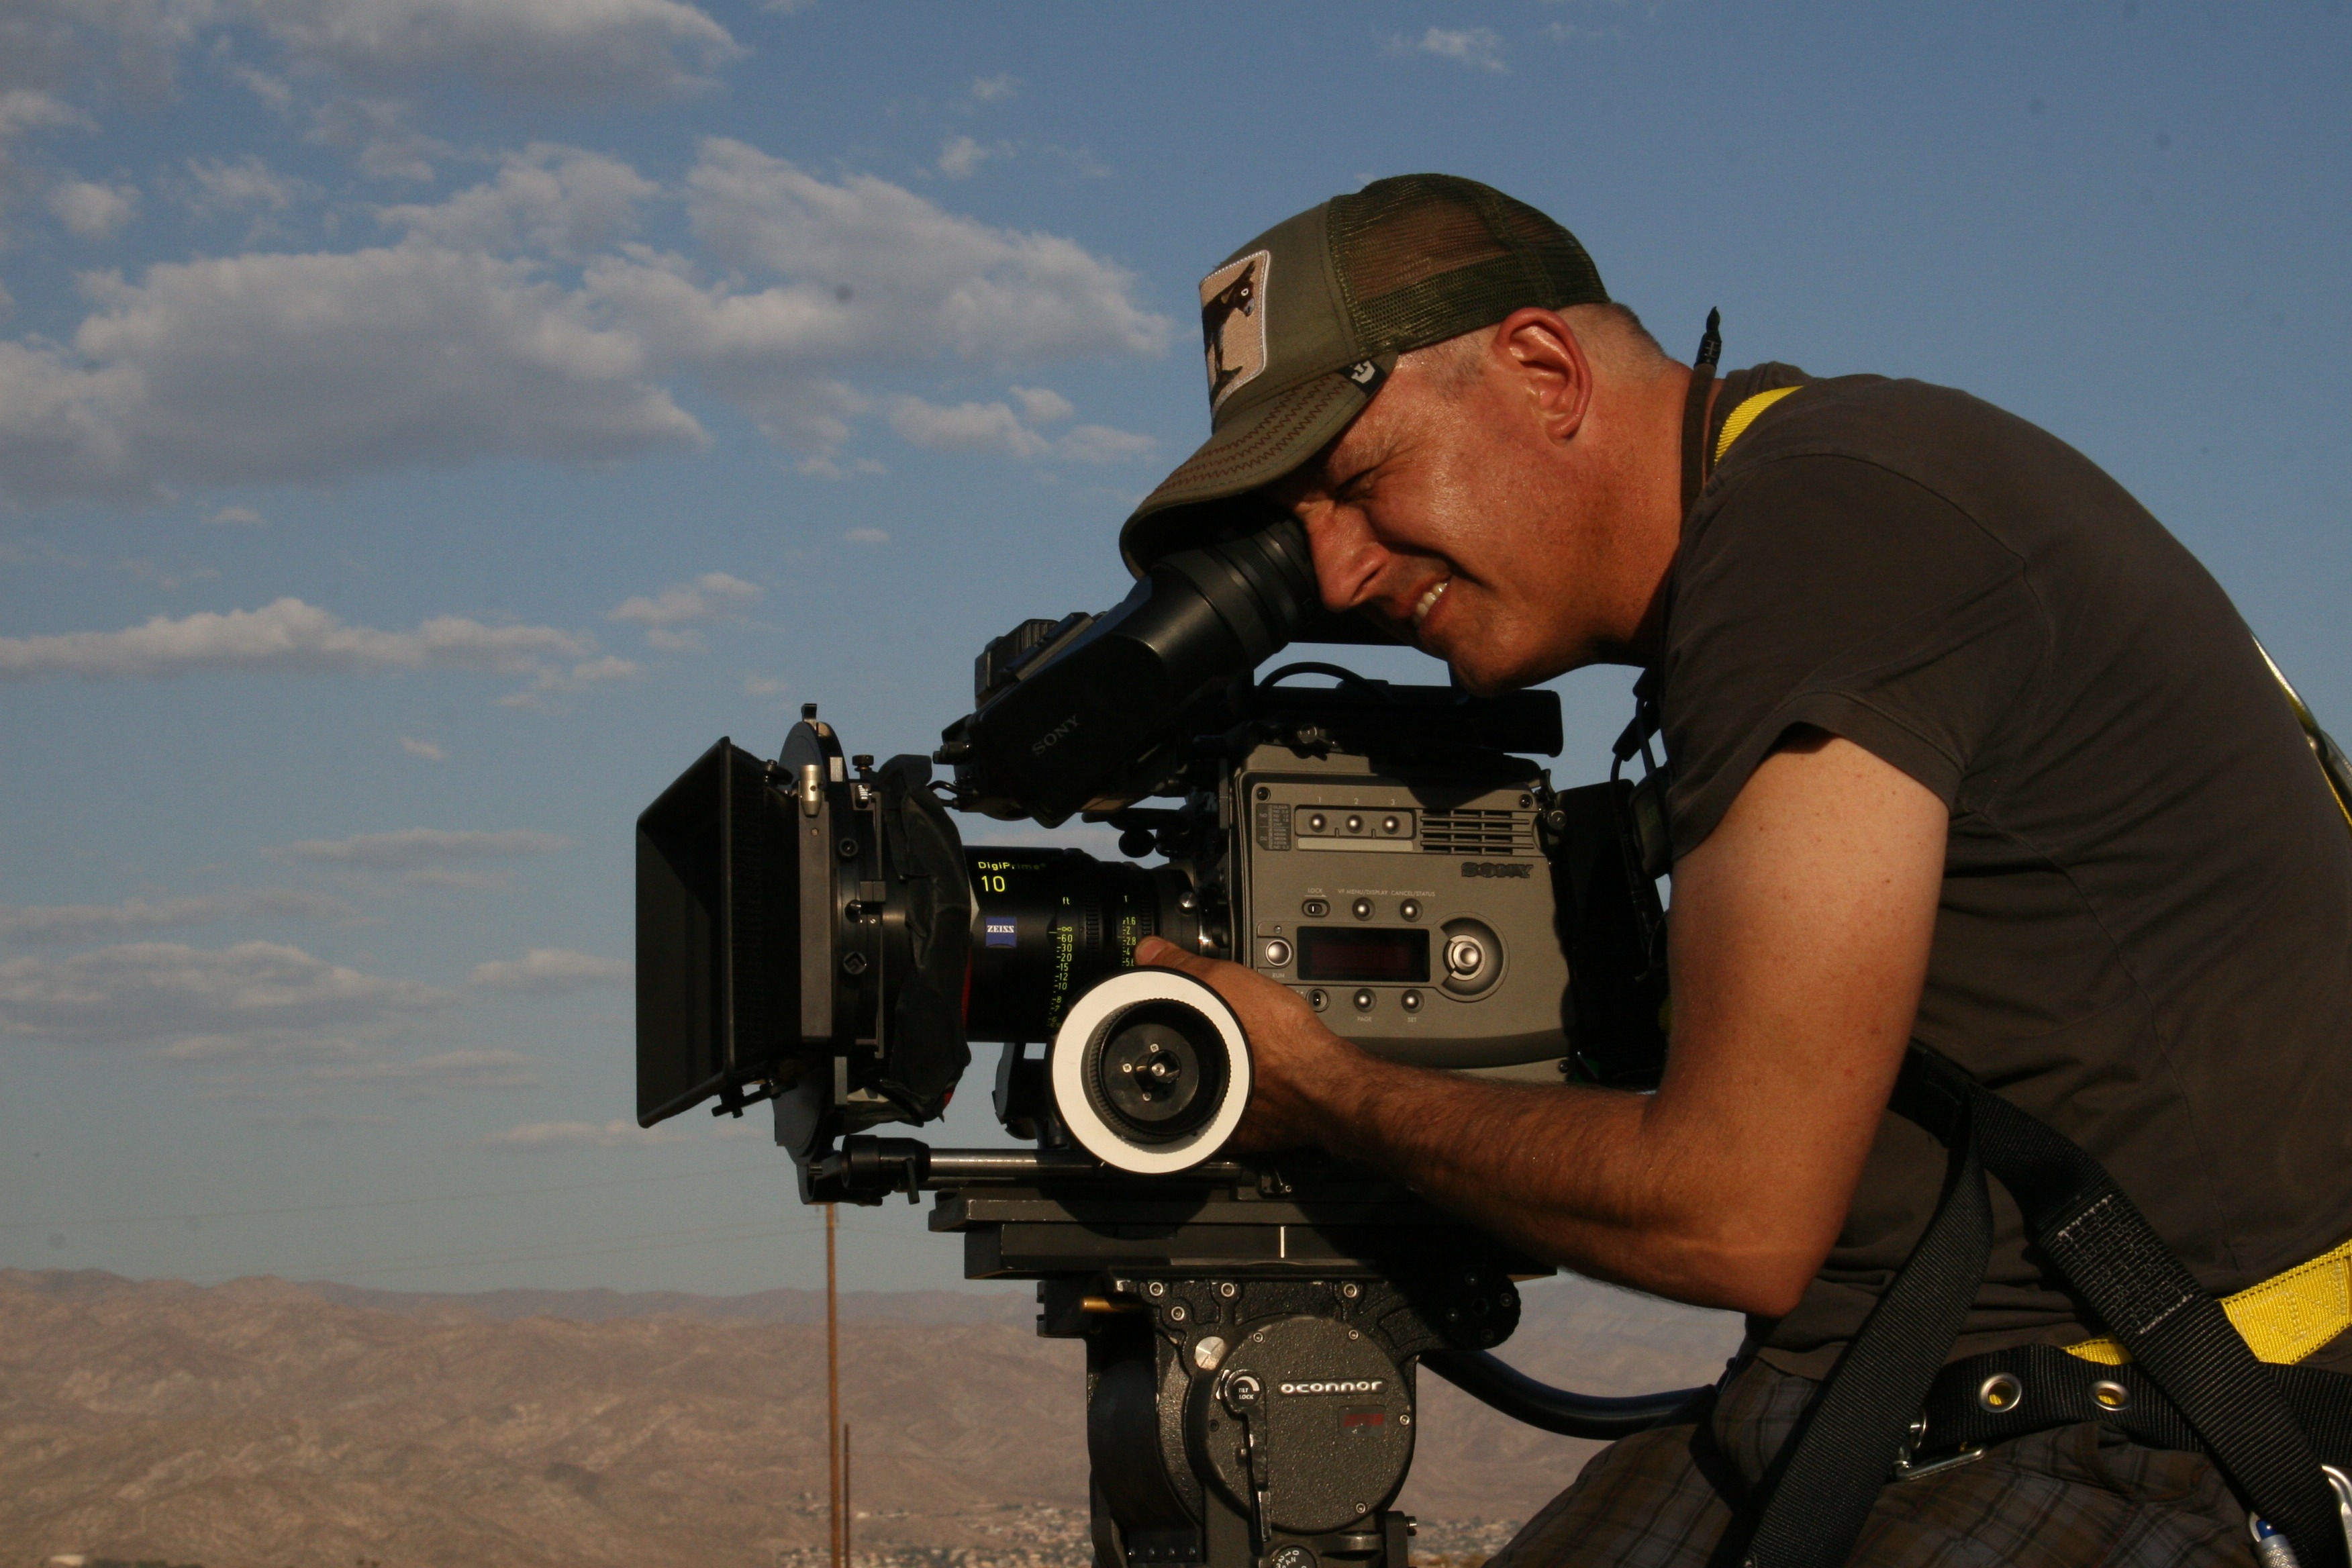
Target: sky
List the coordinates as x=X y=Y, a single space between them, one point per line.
x=425 y=425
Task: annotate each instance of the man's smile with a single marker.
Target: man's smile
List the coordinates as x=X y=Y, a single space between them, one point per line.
x=1428 y=601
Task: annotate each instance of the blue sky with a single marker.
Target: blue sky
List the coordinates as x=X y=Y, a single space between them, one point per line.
x=425 y=425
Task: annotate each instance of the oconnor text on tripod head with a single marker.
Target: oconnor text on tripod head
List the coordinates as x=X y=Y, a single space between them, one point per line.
x=811 y=929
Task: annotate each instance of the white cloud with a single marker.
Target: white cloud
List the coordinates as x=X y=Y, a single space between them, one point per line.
x=269 y=368
x=67 y=924
x=709 y=596
x=994 y=88
x=287 y=634
x=277 y=368
x=966 y=427
x=552 y=971
x=560 y=201
x=202 y=1003
x=425 y=749
x=580 y=51
x=763 y=685
x=865 y=536
x=1039 y=407
x=960 y=157
x=1479 y=48
x=996 y=428
x=872 y=268
x=237 y=517
x=247 y=186
x=450 y=880
x=579 y=677
x=443 y=1073
x=1101 y=444
x=94 y=211
x=415 y=846
x=614 y=1134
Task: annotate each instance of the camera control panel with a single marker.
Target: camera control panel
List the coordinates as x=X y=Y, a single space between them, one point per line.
x=1384 y=899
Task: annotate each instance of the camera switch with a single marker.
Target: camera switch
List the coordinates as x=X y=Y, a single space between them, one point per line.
x=1276 y=953
x=1315 y=909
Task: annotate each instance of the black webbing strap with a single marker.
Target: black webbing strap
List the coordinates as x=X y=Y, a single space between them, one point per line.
x=2179 y=1339
x=2046 y=1388
x=1821 y=1488
x=1695 y=401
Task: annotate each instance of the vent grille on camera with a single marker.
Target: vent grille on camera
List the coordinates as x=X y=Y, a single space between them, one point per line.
x=1474 y=832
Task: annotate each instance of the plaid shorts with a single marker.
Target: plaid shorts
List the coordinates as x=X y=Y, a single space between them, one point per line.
x=2068 y=1498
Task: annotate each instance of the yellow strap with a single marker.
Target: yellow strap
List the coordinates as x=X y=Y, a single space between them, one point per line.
x=1745 y=415
x=2285 y=1318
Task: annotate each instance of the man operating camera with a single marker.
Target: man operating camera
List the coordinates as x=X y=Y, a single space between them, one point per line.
x=1965 y=750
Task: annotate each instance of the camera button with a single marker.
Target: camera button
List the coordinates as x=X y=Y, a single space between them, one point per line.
x=1318 y=998
x=1410 y=909
x=1315 y=909
x=1361 y=909
x=1318 y=822
x=1355 y=824
x=1277 y=953
x=1409 y=1001
x=1363 y=1001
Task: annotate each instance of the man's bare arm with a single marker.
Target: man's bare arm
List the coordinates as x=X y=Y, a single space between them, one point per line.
x=1798 y=946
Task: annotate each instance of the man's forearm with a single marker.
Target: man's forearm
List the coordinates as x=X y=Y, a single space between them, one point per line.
x=1575 y=1175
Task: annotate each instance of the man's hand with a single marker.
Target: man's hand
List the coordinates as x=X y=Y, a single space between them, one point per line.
x=1798 y=943
x=1289 y=1050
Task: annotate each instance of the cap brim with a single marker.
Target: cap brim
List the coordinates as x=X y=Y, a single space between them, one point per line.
x=1255 y=449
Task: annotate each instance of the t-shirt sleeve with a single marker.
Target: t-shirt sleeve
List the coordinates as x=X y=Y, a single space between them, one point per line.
x=1829 y=592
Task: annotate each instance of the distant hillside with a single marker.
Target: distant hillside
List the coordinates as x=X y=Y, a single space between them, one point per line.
x=265 y=1423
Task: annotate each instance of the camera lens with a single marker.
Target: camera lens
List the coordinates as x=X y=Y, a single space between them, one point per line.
x=1047 y=923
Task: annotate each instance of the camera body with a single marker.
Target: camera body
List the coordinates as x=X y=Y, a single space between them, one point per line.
x=813 y=931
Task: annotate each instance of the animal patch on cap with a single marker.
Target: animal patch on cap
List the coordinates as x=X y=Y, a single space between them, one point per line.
x=1233 y=324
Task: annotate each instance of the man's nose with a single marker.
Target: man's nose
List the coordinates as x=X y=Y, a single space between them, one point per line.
x=1348 y=559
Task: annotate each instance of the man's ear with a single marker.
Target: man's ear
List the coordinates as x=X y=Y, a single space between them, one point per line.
x=1544 y=359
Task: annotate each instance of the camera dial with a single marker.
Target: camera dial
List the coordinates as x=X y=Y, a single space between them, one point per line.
x=1150 y=1071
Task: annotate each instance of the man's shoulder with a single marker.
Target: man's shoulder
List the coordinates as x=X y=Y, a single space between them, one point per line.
x=1898 y=448
x=1774 y=412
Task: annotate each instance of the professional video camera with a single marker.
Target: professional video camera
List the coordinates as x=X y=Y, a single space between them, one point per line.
x=812 y=931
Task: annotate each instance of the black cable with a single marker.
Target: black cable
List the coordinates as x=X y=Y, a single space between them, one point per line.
x=1492 y=1380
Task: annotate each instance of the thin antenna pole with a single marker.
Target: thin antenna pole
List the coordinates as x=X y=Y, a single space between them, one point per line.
x=833 y=1448
x=848 y=1513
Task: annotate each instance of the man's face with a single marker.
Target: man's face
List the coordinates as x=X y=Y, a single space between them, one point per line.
x=1446 y=515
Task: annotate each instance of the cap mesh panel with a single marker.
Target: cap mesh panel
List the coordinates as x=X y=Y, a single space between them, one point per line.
x=1424 y=257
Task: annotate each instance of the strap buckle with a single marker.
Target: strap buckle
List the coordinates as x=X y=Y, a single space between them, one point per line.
x=1907 y=1470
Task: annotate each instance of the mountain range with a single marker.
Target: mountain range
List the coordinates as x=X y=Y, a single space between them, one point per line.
x=270 y=1424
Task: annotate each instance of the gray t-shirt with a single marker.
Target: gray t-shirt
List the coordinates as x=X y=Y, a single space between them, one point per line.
x=2145 y=935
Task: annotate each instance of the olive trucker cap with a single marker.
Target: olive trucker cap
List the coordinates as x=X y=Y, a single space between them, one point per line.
x=1300 y=326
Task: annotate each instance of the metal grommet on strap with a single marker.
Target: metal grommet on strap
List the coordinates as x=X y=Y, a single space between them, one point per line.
x=2000 y=1392
x=2111 y=1394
